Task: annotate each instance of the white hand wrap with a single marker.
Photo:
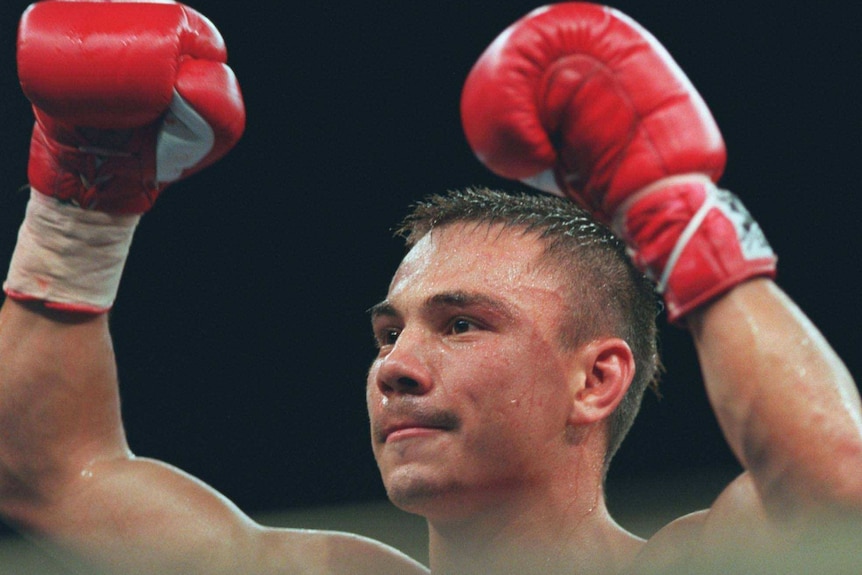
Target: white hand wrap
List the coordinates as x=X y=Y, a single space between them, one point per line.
x=68 y=257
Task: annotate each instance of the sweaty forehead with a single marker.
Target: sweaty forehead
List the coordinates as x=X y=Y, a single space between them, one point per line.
x=478 y=256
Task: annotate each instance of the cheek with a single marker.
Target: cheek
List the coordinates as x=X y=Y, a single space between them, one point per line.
x=512 y=393
x=374 y=400
x=528 y=394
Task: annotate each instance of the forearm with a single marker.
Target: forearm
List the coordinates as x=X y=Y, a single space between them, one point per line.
x=786 y=403
x=59 y=402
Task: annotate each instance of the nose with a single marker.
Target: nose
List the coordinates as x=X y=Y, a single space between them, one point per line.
x=403 y=369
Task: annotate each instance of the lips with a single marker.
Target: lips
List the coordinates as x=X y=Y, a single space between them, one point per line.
x=418 y=423
x=407 y=431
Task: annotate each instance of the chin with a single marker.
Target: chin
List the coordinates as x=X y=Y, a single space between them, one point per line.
x=435 y=499
x=410 y=491
x=416 y=492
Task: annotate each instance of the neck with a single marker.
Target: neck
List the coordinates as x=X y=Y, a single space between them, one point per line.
x=534 y=535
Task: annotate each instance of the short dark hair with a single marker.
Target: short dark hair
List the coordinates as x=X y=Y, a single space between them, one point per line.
x=610 y=296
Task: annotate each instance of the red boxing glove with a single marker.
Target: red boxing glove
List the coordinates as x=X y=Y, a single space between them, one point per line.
x=128 y=98
x=579 y=100
x=694 y=240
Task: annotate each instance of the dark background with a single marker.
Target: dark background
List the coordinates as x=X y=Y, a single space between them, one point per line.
x=240 y=326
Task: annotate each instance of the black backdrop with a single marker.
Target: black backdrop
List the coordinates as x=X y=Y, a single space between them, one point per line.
x=240 y=326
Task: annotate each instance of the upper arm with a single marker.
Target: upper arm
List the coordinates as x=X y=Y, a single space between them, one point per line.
x=133 y=515
x=787 y=405
x=143 y=516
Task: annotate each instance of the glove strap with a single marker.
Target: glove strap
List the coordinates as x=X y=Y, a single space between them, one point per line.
x=694 y=240
x=68 y=257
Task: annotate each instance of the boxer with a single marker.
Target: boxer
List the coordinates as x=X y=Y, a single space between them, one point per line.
x=514 y=343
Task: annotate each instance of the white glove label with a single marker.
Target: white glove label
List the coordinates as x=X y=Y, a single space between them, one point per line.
x=184 y=140
x=752 y=241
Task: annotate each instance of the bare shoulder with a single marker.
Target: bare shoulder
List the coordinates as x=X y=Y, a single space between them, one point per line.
x=734 y=535
x=314 y=552
x=672 y=547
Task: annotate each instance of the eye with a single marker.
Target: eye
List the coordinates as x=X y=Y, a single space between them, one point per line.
x=461 y=325
x=386 y=336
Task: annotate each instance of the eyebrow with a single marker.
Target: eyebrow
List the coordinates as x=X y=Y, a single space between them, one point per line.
x=456 y=299
x=383 y=308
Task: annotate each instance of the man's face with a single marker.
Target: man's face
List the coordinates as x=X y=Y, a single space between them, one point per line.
x=471 y=390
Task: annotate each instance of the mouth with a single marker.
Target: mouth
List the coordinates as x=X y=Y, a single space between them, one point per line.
x=414 y=427
x=408 y=431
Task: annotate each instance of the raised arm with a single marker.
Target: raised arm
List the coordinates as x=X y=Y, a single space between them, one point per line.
x=788 y=407
x=580 y=101
x=128 y=98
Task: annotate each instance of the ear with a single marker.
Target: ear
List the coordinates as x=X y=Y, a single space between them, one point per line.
x=607 y=367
